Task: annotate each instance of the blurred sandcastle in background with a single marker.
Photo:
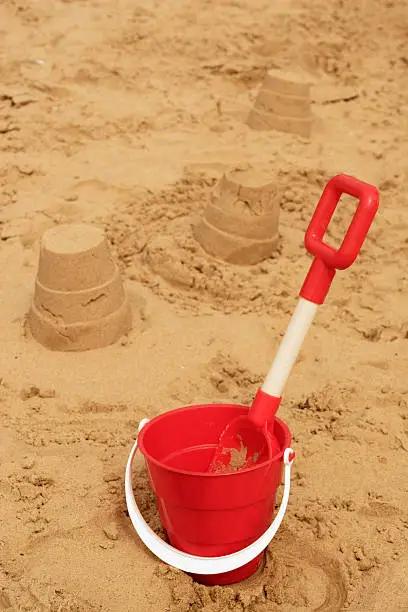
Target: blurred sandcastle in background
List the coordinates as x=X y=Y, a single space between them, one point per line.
x=283 y=103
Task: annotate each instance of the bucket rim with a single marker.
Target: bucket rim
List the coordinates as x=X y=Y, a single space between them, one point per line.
x=150 y=458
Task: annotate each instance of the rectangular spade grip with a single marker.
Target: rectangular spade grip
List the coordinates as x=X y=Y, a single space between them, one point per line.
x=328 y=259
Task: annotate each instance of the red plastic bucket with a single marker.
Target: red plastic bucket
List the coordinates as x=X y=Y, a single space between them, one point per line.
x=209 y=514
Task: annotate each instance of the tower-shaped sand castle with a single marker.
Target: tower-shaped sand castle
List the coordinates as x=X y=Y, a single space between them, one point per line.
x=284 y=104
x=79 y=300
x=240 y=223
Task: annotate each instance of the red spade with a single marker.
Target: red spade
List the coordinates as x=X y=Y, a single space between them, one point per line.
x=246 y=440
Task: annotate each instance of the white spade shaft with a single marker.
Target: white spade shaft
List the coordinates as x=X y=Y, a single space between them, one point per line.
x=289 y=348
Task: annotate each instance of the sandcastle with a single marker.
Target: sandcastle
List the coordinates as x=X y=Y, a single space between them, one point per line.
x=79 y=300
x=240 y=223
x=284 y=104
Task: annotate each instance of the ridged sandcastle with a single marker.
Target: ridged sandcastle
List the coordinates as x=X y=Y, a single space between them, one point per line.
x=79 y=300
x=240 y=223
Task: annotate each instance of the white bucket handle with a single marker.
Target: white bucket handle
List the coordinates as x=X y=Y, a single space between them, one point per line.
x=192 y=563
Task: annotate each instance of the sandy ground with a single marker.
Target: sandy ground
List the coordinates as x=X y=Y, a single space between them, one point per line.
x=124 y=115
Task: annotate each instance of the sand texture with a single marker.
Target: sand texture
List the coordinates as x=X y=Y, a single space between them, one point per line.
x=126 y=116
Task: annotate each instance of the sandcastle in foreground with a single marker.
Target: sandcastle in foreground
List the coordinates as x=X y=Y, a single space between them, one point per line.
x=79 y=300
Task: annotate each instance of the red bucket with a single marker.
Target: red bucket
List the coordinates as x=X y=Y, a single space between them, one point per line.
x=207 y=514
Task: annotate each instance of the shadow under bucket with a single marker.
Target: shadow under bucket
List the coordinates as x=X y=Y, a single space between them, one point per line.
x=209 y=514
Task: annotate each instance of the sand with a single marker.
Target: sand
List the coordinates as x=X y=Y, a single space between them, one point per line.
x=125 y=115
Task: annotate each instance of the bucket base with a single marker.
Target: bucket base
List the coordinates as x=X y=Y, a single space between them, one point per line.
x=238 y=575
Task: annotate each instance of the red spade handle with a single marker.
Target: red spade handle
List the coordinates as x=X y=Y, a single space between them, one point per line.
x=327 y=259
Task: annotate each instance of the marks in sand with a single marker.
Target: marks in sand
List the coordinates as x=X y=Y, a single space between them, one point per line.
x=296 y=574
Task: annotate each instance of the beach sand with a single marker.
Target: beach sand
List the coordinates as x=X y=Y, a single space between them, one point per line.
x=125 y=115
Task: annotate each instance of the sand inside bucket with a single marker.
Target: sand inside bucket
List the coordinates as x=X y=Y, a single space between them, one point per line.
x=236 y=461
